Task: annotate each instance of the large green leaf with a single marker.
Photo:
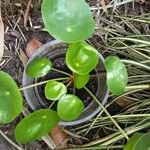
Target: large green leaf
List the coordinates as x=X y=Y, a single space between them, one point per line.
x=54 y=90
x=117 y=76
x=138 y=141
x=81 y=80
x=38 y=67
x=68 y=20
x=143 y=142
x=81 y=58
x=69 y=107
x=131 y=143
x=10 y=99
x=36 y=125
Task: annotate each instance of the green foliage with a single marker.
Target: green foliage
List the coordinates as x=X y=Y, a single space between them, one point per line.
x=68 y=20
x=10 y=99
x=38 y=67
x=81 y=58
x=54 y=90
x=69 y=107
x=132 y=141
x=36 y=125
x=117 y=76
x=81 y=80
x=138 y=141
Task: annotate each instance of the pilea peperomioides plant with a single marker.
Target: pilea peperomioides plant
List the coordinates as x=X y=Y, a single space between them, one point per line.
x=69 y=21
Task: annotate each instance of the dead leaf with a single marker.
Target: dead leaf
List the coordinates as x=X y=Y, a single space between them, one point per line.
x=26 y=14
x=23 y=57
x=1 y=37
x=123 y=101
x=32 y=47
x=59 y=137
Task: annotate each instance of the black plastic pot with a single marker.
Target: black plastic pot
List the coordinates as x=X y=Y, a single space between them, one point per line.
x=55 y=51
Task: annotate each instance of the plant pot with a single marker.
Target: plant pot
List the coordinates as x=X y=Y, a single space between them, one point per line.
x=55 y=51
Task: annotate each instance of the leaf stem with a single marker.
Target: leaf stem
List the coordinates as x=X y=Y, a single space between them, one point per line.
x=107 y=113
x=62 y=72
x=43 y=82
x=100 y=74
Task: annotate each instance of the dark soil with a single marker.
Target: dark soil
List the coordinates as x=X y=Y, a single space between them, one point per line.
x=59 y=63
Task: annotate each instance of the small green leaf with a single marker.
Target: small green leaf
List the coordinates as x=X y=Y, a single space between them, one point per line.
x=54 y=90
x=69 y=107
x=38 y=67
x=132 y=141
x=81 y=80
x=81 y=58
x=10 y=99
x=117 y=76
x=36 y=125
x=68 y=20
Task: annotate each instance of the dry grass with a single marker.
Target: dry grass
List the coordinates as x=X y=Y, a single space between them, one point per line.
x=122 y=29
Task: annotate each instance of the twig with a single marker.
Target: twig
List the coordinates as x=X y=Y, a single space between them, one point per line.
x=10 y=141
x=26 y=14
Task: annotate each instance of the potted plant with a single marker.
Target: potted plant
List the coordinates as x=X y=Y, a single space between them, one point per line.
x=71 y=22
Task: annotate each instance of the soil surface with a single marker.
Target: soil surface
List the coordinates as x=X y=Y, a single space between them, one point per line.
x=17 y=38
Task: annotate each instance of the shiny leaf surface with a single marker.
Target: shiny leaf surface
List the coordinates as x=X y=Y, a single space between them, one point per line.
x=81 y=58
x=38 y=67
x=69 y=107
x=10 y=99
x=54 y=90
x=36 y=125
x=81 y=80
x=117 y=76
x=68 y=20
x=131 y=143
x=143 y=142
x=138 y=141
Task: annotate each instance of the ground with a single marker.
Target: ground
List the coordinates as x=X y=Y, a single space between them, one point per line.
x=128 y=20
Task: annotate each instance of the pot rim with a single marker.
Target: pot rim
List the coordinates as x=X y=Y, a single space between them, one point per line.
x=75 y=122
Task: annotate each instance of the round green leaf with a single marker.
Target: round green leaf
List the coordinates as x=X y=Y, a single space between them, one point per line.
x=143 y=142
x=132 y=141
x=10 y=99
x=54 y=90
x=68 y=20
x=36 y=125
x=117 y=76
x=38 y=67
x=138 y=141
x=81 y=80
x=69 y=107
x=81 y=58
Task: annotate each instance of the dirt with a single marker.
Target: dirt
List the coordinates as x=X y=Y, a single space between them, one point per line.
x=16 y=39
x=59 y=63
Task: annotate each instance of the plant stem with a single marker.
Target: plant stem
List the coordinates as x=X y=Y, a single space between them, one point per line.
x=69 y=83
x=133 y=87
x=43 y=82
x=52 y=104
x=10 y=141
x=100 y=74
x=107 y=113
x=62 y=72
